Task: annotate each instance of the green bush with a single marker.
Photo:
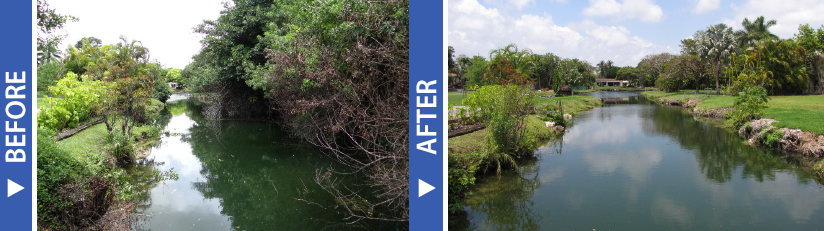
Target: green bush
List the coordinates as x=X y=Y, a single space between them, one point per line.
x=461 y=173
x=120 y=146
x=47 y=75
x=73 y=102
x=749 y=105
x=55 y=168
x=504 y=107
x=161 y=92
x=772 y=138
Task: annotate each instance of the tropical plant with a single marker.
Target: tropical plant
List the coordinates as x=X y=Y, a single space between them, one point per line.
x=755 y=31
x=749 y=105
x=716 y=45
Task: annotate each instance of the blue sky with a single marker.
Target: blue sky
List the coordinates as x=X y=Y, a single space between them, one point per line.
x=620 y=30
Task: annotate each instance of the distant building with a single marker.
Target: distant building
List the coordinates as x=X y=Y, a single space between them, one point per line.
x=611 y=83
x=172 y=85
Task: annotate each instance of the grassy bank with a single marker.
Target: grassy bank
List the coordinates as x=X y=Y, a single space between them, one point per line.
x=470 y=156
x=81 y=181
x=805 y=112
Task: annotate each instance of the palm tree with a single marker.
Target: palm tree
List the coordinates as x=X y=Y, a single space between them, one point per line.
x=716 y=45
x=755 y=31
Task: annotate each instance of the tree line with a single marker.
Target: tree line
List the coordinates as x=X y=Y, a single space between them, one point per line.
x=716 y=58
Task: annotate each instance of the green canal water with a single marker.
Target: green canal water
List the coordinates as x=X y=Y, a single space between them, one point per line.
x=239 y=175
x=634 y=165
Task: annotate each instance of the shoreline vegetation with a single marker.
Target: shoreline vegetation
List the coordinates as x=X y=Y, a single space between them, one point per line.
x=476 y=153
x=792 y=124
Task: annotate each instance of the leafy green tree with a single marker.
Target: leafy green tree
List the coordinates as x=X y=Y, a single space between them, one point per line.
x=627 y=73
x=755 y=31
x=749 y=105
x=545 y=68
x=812 y=41
x=89 y=41
x=716 y=45
x=174 y=75
x=651 y=67
x=475 y=72
x=48 y=21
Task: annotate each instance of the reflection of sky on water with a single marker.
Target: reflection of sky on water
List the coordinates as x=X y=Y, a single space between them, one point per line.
x=176 y=205
x=621 y=169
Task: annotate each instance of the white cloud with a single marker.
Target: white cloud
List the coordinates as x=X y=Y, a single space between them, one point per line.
x=520 y=3
x=789 y=14
x=643 y=10
x=475 y=30
x=704 y=6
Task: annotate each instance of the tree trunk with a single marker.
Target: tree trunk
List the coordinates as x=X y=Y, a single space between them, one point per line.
x=717 y=86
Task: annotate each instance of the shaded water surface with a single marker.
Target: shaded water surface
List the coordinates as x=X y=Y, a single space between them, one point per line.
x=633 y=165
x=238 y=175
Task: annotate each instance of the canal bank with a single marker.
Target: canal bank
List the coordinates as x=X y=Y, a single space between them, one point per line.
x=470 y=157
x=793 y=124
x=634 y=165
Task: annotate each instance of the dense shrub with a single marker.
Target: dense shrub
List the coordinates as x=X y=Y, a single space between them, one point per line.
x=749 y=105
x=47 y=76
x=120 y=146
x=55 y=168
x=504 y=107
x=162 y=92
x=73 y=101
x=461 y=174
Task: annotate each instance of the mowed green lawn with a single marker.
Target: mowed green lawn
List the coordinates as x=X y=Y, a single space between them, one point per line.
x=455 y=98
x=805 y=112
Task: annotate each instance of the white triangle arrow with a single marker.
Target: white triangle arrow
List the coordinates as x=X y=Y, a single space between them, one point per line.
x=13 y=188
x=423 y=188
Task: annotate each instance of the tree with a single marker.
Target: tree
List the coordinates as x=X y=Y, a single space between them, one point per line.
x=508 y=65
x=651 y=66
x=627 y=73
x=813 y=43
x=604 y=69
x=716 y=45
x=90 y=41
x=174 y=75
x=474 y=74
x=48 y=21
x=755 y=31
x=544 y=69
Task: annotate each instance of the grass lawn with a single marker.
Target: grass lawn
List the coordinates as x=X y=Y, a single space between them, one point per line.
x=87 y=146
x=455 y=98
x=805 y=112
x=476 y=141
x=571 y=104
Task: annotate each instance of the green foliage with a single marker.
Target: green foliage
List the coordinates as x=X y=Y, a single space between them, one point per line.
x=74 y=102
x=772 y=138
x=475 y=73
x=55 y=168
x=504 y=107
x=49 y=21
x=162 y=91
x=461 y=176
x=47 y=75
x=749 y=105
x=120 y=146
x=174 y=75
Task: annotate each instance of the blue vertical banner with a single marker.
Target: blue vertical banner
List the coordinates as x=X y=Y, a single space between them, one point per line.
x=16 y=60
x=426 y=119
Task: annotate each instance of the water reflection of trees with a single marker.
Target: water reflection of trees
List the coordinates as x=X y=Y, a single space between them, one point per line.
x=719 y=152
x=507 y=200
x=264 y=179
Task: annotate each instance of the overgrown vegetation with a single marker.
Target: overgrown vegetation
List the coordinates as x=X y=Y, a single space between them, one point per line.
x=749 y=105
x=335 y=72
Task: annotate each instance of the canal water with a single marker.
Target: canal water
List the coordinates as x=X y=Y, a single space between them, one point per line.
x=634 y=165
x=238 y=175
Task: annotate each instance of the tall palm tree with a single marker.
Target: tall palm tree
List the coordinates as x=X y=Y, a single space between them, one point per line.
x=716 y=45
x=755 y=31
